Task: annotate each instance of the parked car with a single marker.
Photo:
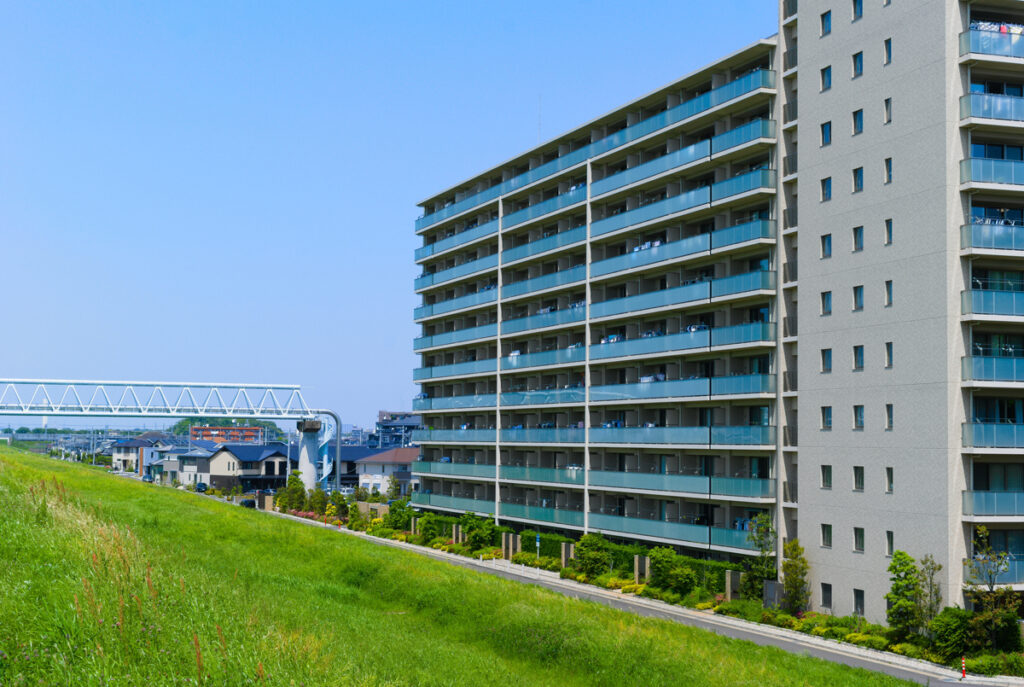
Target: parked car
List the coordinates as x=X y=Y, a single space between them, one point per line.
x=347 y=491
x=201 y=487
x=266 y=491
x=147 y=479
x=247 y=503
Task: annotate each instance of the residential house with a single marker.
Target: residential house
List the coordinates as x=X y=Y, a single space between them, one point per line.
x=250 y=466
x=375 y=471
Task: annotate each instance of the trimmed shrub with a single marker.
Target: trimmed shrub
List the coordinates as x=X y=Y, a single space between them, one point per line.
x=997 y=664
x=866 y=640
x=705 y=605
x=698 y=596
x=951 y=632
x=784 y=620
x=747 y=609
x=550 y=544
x=908 y=650
x=681 y=580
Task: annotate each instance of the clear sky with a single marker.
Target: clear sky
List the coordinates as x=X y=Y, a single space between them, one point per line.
x=225 y=191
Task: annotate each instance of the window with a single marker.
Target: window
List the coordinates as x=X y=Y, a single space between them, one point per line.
x=826 y=535
x=888 y=543
x=858 y=9
x=826 y=134
x=858 y=239
x=858 y=539
x=826 y=79
x=887 y=51
x=826 y=417
x=858 y=180
x=826 y=360
x=887 y=110
x=888 y=418
x=858 y=64
x=888 y=292
x=858 y=418
x=888 y=232
x=858 y=298
x=858 y=602
x=826 y=476
x=888 y=353
x=826 y=23
x=826 y=189
x=858 y=122
x=826 y=245
x=858 y=358
x=858 y=478
x=826 y=302
x=888 y=170
x=888 y=480
x=826 y=595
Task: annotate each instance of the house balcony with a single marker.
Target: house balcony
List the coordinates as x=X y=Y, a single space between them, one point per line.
x=721 y=435
x=993 y=369
x=451 y=305
x=453 y=469
x=462 y=238
x=697 y=387
x=1001 y=110
x=471 y=367
x=522 y=473
x=454 y=436
x=455 y=402
x=545 y=207
x=979 y=45
x=544 y=320
x=456 y=503
x=984 y=237
x=686 y=484
x=993 y=504
x=543 y=397
x=758 y=180
x=572 y=275
x=698 y=340
x=557 y=516
x=486 y=331
x=989 y=174
x=548 y=243
x=762 y=280
x=993 y=435
x=542 y=435
x=687 y=200
x=464 y=270
x=562 y=356
x=657 y=529
x=992 y=304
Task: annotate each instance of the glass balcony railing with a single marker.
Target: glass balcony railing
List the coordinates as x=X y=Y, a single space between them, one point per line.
x=544 y=207
x=751 y=281
x=554 y=515
x=456 y=369
x=994 y=503
x=419 y=498
x=666 y=251
x=543 y=435
x=653 y=344
x=743 y=384
x=547 y=281
x=549 y=319
x=751 y=487
x=655 y=299
x=741 y=233
x=455 y=435
x=453 y=402
x=463 y=237
x=985 y=170
x=751 y=181
x=992 y=236
x=692 y=484
x=743 y=435
x=676 y=388
x=992 y=369
x=992 y=106
x=535 y=474
x=748 y=83
x=650 y=435
x=752 y=131
x=993 y=435
x=485 y=331
x=697 y=534
x=983 y=302
x=992 y=43
x=753 y=332
x=454 y=469
x=463 y=270
x=683 y=156
x=543 y=397
x=683 y=201
x=545 y=244
x=561 y=356
x=467 y=301
x=737 y=539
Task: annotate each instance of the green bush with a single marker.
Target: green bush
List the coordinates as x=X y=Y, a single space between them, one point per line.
x=382 y=532
x=697 y=596
x=550 y=544
x=681 y=580
x=810 y=621
x=489 y=553
x=748 y=609
x=951 y=632
x=784 y=620
x=996 y=664
x=650 y=592
x=592 y=555
x=907 y=649
x=1002 y=626
x=866 y=640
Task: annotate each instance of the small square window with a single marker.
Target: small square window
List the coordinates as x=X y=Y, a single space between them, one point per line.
x=888 y=232
x=858 y=239
x=888 y=353
x=858 y=9
x=826 y=189
x=889 y=541
x=858 y=358
x=826 y=476
x=887 y=110
x=858 y=180
x=826 y=417
x=888 y=423
x=858 y=539
x=858 y=417
x=826 y=245
x=858 y=602
x=826 y=595
x=858 y=478
x=826 y=360
x=888 y=480
x=826 y=23
x=826 y=535
x=858 y=298
x=826 y=134
x=888 y=170
x=858 y=64
x=826 y=302
x=858 y=122
x=888 y=292
x=826 y=79
x=887 y=51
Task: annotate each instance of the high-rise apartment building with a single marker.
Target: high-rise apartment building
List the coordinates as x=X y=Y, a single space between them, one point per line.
x=610 y=320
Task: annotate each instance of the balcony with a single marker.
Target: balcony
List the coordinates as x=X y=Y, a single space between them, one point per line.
x=994 y=503
x=660 y=529
x=789 y=325
x=985 y=302
x=563 y=356
x=761 y=179
x=543 y=435
x=466 y=436
x=454 y=402
x=545 y=244
x=676 y=388
x=789 y=165
x=463 y=270
x=1013 y=575
x=789 y=218
x=742 y=233
x=754 y=332
x=751 y=131
x=553 y=515
x=683 y=156
x=543 y=397
x=789 y=380
x=992 y=369
x=988 y=171
x=467 y=203
x=789 y=8
x=535 y=474
x=789 y=112
x=689 y=293
x=453 y=469
x=790 y=492
x=992 y=106
x=743 y=435
x=789 y=59
x=762 y=280
x=992 y=236
x=686 y=484
x=648 y=256
x=486 y=331
x=646 y=213
x=547 y=281
x=993 y=435
x=690 y=436
x=735 y=539
x=541 y=320
x=743 y=384
x=419 y=498
x=995 y=43
x=453 y=304
x=462 y=238
x=456 y=369
x=545 y=207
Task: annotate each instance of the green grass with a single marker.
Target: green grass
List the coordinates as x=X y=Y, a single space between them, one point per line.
x=107 y=581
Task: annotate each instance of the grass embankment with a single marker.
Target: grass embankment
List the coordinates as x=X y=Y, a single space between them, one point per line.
x=107 y=581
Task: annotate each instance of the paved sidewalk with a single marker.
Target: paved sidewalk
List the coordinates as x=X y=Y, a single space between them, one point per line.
x=795 y=642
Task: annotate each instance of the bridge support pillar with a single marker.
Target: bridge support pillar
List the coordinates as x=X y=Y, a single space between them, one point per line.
x=308 y=451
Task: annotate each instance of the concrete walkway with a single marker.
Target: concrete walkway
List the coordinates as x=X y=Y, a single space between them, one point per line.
x=922 y=672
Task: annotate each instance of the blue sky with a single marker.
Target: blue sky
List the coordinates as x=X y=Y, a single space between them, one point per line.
x=225 y=191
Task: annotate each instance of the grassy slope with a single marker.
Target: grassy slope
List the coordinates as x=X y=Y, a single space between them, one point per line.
x=308 y=606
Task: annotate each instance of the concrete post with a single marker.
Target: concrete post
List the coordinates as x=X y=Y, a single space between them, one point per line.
x=568 y=552
x=413 y=525
x=517 y=544
x=308 y=449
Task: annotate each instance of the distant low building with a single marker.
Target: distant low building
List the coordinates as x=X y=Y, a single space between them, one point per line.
x=375 y=471
x=394 y=429
x=194 y=466
x=229 y=434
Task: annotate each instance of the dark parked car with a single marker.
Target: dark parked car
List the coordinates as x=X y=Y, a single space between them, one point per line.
x=148 y=479
x=247 y=503
x=201 y=487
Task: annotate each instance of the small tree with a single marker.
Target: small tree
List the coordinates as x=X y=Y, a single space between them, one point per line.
x=394 y=488
x=339 y=503
x=362 y=494
x=317 y=501
x=904 y=595
x=763 y=536
x=794 y=578
x=930 y=597
x=399 y=516
x=293 y=496
x=592 y=555
x=997 y=615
